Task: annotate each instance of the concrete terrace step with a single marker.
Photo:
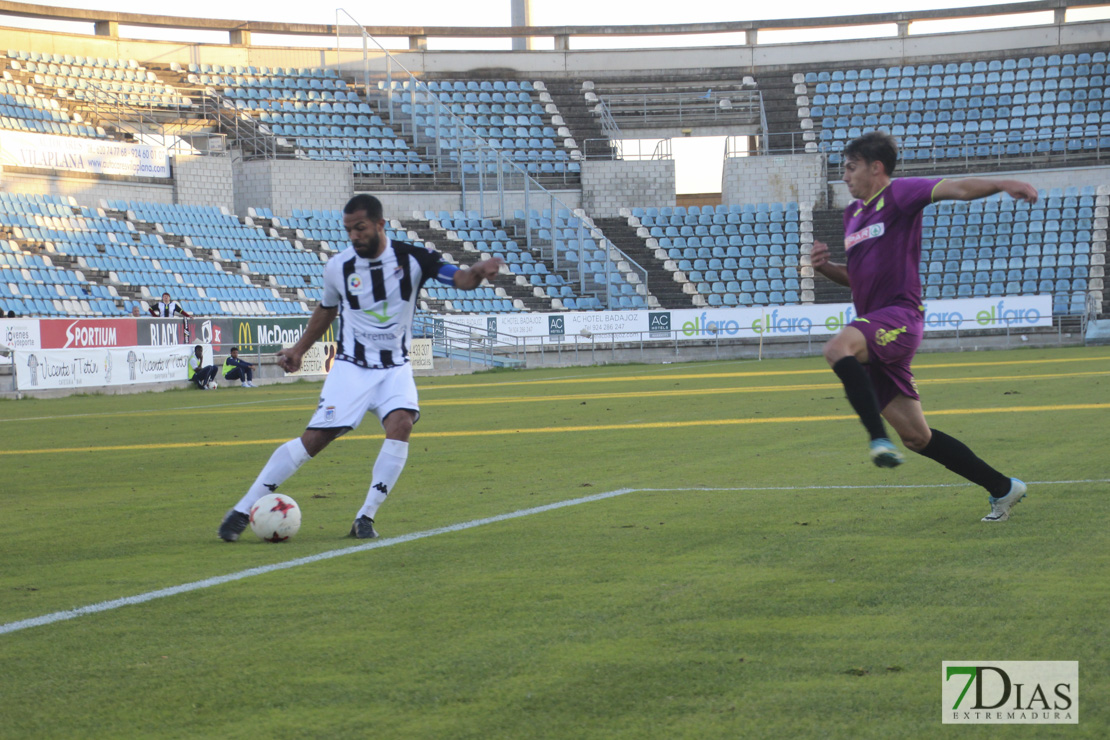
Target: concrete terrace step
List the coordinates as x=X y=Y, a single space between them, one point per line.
x=661 y=282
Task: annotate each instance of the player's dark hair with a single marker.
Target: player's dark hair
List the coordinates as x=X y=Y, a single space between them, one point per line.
x=874 y=146
x=368 y=204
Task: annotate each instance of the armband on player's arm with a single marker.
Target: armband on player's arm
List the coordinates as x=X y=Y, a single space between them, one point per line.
x=446 y=274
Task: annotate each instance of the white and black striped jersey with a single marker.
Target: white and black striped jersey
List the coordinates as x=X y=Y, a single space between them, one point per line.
x=167 y=310
x=377 y=300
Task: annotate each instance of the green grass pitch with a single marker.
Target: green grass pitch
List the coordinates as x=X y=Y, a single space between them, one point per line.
x=752 y=575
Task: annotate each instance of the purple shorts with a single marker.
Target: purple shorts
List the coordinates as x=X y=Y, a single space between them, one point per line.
x=893 y=334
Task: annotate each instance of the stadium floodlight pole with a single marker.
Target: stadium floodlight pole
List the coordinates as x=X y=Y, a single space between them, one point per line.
x=520 y=14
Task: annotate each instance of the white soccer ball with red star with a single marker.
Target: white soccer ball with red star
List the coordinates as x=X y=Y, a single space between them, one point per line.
x=275 y=517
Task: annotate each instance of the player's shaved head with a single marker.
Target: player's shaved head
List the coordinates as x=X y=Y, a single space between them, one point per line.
x=364 y=203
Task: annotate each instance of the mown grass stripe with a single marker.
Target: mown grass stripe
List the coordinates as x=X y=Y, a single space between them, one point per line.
x=238 y=407
x=747 y=374
x=103 y=606
x=560 y=429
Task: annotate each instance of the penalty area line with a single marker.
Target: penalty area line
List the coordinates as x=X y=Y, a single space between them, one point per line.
x=103 y=606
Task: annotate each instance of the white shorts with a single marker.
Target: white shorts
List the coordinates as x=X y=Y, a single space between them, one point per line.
x=350 y=391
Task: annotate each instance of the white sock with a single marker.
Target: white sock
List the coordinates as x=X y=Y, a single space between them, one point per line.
x=283 y=463
x=387 y=469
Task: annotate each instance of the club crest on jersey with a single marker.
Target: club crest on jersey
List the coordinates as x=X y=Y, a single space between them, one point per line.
x=867 y=232
x=354 y=283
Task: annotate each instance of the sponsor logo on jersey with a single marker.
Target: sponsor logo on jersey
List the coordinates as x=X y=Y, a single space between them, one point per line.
x=354 y=283
x=382 y=316
x=883 y=337
x=867 y=232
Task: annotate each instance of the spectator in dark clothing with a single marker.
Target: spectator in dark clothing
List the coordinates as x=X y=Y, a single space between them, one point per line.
x=236 y=369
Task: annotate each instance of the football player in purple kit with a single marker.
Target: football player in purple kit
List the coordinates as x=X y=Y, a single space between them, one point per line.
x=872 y=354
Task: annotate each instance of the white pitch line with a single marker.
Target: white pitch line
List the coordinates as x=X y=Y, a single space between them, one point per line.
x=104 y=606
x=867 y=487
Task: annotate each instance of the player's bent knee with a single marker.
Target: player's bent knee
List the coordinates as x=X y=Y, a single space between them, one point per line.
x=832 y=354
x=915 y=442
x=398 y=424
x=315 y=440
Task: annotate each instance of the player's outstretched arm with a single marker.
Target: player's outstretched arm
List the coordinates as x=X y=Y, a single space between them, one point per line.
x=819 y=259
x=471 y=277
x=973 y=188
x=289 y=359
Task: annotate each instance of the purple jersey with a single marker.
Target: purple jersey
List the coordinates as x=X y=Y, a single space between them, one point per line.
x=882 y=239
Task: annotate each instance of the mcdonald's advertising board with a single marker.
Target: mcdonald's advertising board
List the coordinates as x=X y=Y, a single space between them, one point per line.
x=269 y=334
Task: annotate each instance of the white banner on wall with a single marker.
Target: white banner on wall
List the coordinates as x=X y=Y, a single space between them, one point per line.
x=18 y=334
x=77 y=154
x=318 y=360
x=46 y=369
x=1017 y=312
x=421 y=355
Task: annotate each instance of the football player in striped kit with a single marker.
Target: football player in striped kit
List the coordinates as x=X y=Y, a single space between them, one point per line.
x=372 y=286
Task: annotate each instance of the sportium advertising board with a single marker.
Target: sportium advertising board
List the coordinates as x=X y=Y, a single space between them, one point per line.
x=82 y=333
x=93 y=367
x=767 y=321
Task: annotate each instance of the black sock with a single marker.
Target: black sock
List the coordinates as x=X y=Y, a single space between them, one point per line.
x=958 y=457
x=861 y=394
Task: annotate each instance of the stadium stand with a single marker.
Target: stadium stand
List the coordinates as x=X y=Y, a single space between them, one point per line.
x=42 y=237
x=421 y=132
x=1010 y=107
x=1027 y=110
x=453 y=113
x=999 y=247
x=741 y=255
x=23 y=108
x=97 y=79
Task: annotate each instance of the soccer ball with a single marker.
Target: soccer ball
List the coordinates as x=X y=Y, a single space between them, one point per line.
x=275 y=517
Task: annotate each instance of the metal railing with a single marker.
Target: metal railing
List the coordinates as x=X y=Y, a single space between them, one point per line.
x=663 y=109
x=627 y=149
x=455 y=341
x=609 y=126
x=193 y=116
x=643 y=346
